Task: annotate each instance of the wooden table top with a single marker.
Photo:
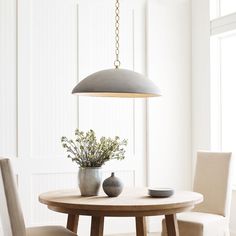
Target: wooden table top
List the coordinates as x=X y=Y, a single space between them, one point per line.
x=132 y=201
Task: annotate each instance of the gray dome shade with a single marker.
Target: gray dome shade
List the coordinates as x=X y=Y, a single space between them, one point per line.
x=116 y=83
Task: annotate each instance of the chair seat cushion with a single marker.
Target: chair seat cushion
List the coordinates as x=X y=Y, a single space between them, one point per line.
x=49 y=231
x=200 y=217
x=200 y=224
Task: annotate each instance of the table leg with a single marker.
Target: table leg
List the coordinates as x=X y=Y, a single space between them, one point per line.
x=172 y=225
x=72 y=222
x=141 y=229
x=97 y=226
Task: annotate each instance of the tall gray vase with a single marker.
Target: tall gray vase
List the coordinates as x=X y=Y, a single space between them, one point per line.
x=89 y=180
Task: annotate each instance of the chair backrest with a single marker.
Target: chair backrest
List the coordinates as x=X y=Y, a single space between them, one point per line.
x=10 y=210
x=212 y=179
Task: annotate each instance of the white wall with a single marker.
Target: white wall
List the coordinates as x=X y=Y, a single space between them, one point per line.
x=200 y=75
x=8 y=70
x=169 y=65
x=8 y=146
x=46 y=47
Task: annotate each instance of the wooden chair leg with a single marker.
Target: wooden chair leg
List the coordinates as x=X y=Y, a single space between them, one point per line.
x=172 y=225
x=141 y=229
x=72 y=223
x=97 y=225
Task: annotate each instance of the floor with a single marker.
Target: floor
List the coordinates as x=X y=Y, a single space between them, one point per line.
x=151 y=234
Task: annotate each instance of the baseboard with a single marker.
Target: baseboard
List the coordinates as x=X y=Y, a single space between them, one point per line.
x=232 y=233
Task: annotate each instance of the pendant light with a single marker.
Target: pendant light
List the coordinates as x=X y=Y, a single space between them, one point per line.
x=116 y=82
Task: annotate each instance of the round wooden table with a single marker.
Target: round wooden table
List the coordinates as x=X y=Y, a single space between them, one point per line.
x=133 y=202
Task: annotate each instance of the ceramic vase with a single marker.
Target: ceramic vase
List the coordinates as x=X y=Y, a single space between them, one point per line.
x=112 y=186
x=89 y=179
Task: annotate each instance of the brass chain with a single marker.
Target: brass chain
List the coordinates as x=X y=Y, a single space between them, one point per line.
x=117 y=33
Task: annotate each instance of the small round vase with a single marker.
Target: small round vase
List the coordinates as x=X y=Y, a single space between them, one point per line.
x=89 y=180
x=112 y=186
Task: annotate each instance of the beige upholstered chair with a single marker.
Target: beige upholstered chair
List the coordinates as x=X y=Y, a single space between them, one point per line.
x=212 y=179
x=10 y=210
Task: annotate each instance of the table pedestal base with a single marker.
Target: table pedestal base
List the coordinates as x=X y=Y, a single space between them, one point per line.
x=141 y=229
x=72 y=222
x=172 y=225
x=97 y=225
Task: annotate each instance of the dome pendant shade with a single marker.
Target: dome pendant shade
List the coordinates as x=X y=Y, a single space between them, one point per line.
x=117 y=83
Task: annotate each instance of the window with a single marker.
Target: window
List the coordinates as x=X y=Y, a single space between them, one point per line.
x=220 y=8
x=223 y=76
x=227 y=7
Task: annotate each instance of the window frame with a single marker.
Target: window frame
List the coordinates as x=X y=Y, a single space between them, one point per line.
x=220 y=27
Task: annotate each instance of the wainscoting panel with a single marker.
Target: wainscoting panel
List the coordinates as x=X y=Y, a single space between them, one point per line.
x=8 y=79
x=107 y=116
x=47 y=182
x=47 y=71
x=53 y=74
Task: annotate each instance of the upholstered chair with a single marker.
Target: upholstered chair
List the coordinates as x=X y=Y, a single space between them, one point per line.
x=212 y=179
x=10 y=211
